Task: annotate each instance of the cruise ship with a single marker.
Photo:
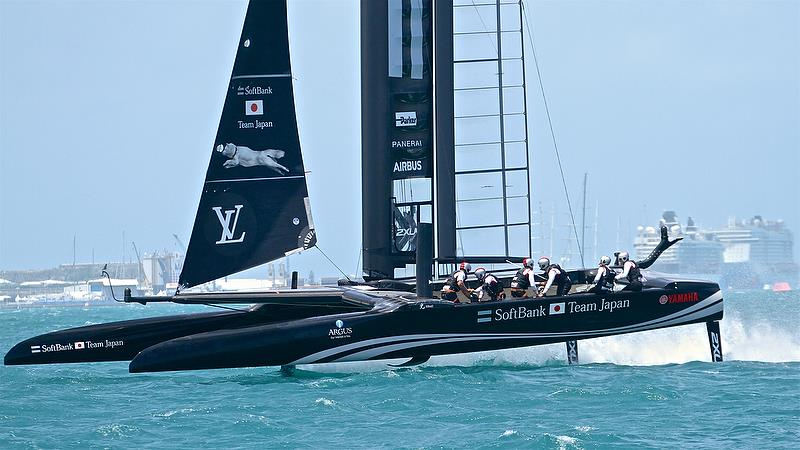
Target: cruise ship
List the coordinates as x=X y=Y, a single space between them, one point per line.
x=746 y=254
x=700 y=254
x=758 y=253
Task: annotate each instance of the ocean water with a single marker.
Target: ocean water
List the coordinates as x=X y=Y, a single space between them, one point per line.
x=653 y=389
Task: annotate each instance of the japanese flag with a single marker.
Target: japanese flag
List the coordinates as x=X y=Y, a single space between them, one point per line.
x=254 y=107
x=556 y=308
x=79 y=345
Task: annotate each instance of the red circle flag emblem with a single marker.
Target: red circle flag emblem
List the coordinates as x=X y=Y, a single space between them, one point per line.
x=557 y=308
x=663 y=299
x=254 y=107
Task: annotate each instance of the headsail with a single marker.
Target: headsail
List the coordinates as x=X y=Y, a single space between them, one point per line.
x=254 y=207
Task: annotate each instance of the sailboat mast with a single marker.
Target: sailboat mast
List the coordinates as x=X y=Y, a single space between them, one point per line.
x=444 y=134
x=583 y=220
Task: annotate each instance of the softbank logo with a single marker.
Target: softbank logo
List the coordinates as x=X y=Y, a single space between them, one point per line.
x=228 y=229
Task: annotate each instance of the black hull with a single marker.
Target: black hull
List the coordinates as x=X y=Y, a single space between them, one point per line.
x=122 y=341
x=395 y=326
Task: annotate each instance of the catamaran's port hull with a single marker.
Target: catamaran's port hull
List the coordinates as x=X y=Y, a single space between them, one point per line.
x=414 y=329
x=122 y=341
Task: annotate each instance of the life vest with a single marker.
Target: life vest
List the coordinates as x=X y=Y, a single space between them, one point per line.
x=520 y=280
x=607 y=280
x=451 y=282
x=561 y=277
x=492 y=285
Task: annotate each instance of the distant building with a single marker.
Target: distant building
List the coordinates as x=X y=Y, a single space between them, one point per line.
x=161 y=270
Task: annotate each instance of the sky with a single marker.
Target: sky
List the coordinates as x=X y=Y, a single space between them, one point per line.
x=108 y=109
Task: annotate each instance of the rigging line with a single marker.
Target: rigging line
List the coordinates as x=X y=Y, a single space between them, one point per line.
x=360 y=254
x=104 y=272
x=552 y=133
x=334 y=264
x=489 y=33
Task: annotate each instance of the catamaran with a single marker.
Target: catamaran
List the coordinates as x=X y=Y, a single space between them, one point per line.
x=443 y=133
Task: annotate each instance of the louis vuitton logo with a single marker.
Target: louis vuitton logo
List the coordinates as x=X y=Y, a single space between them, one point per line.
x=228 y=229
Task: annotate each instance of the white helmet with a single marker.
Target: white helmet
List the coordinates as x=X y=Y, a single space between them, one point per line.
x=465 y=266
x=480 y=273
x=544 y=261
x=623 y=257
x=528 y=262
x=605 y=260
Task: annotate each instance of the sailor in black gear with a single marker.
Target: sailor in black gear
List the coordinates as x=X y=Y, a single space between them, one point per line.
x=523 y=279
x=555 y=275
x=457 y=282
x=630 y=272
x=604 y=279
x=490 y=288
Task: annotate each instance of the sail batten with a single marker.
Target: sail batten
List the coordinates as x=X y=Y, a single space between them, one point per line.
x=254 y=206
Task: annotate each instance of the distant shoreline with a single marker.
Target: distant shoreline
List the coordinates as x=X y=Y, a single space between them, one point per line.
x=70 y=304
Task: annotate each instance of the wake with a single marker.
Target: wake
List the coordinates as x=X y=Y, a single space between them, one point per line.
x=754 y=341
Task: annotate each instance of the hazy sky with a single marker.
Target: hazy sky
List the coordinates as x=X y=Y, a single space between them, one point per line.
x=108 y=110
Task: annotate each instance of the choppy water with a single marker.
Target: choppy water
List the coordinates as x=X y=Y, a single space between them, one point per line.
x=653 y=389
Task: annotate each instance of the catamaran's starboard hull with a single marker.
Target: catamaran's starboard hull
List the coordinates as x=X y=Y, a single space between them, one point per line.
x=396 y=329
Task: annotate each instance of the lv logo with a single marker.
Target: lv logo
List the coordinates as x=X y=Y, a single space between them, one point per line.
x=228 y=229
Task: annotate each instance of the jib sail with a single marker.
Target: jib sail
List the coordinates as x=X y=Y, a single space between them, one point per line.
x=254 y=207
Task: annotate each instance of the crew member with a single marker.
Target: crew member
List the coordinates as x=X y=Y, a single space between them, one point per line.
x=523 y=279
x=490 y=289
x=456 y=283
x=604 y=279
x=555 y=274
x=630 y=272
